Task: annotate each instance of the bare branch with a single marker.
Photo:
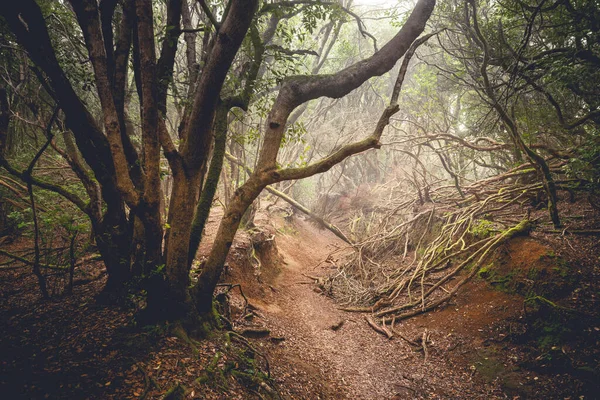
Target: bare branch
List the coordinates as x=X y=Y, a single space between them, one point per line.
x=289 y=52
x=300 y=89
x=209 y=15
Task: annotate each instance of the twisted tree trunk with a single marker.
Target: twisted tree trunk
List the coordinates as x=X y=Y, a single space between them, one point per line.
x=294 y=92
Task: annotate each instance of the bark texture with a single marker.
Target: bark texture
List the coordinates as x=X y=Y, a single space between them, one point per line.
x=294 y=92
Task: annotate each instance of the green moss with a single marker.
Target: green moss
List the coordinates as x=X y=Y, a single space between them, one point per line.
x=213 y=375
x=238 y=360
x=498 y=280
x=483 y=229
x=534 y=274
x=287 y=230
x=177 y=392
x=208 y=325
x=549 y=330
x=492 y=369
x=486 y=271
x=562 y=272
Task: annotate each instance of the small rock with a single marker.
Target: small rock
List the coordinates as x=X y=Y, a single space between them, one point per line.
x=337 y=326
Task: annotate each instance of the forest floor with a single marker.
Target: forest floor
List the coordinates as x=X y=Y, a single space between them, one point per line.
x=73 y=347
x=477 y=349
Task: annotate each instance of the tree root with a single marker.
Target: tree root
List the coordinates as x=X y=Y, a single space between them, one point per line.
x=462 y=241
x=251 y=332
x=241 y=339
x=337 y=325
x=424 y=340
x=379 y=329
x=148 y=382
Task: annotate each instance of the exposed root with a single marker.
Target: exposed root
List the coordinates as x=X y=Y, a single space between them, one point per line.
x=229 y=287
x=379 y=329
x=255 y=332
x=148 y=381
x=337 y=325
x=232 y=335
x=424 y=340
x=449 y=245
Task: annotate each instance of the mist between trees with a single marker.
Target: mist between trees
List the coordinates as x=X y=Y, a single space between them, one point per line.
x=399 y=127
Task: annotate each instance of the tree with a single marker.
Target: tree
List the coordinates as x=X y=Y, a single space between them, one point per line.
x=129 y=178
x=517 y=67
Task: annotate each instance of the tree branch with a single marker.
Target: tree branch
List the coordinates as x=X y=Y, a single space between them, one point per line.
x=209 y=15
x=300 y=89
x=371 y=142
x=25 y=20
x=164 y=68
x=336 y=231
x=73 y=198
x=197 y=131
x=289 y=52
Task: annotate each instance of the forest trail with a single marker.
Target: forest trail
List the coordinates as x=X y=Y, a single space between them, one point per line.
x=353 y=361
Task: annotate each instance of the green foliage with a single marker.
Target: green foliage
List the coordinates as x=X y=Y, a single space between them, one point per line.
x=397 y=18
x=17 y=221
x=586 y=165
x=159 y=269
x=295 y=134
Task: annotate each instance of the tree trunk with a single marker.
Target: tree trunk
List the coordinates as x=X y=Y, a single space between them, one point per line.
x=207 y=282
x=212 y=181
x=294 y=92
x=138 y=247
x=184 y=193
x=113 y=238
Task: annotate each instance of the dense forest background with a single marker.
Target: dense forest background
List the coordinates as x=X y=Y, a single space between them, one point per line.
x=425 y=136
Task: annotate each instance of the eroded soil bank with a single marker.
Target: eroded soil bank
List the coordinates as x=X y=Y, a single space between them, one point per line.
x=492 y=341
x=487 y=343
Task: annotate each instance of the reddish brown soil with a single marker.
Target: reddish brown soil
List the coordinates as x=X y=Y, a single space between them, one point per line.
x=474 y=350
x=73 y=347
x=353 y=362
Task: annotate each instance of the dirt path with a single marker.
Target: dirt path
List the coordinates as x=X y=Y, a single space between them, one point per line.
x=354 y=361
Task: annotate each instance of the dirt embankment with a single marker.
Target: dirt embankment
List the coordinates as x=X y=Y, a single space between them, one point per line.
x=526 y=327
x=482 y=345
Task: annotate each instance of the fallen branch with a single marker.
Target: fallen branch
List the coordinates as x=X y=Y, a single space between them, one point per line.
x=356 y=309
x=31 y=263
x=377 y=328
x=522 y=227
x=336 y=231
x=407 y=340
x=424 y=344
x=572 y=231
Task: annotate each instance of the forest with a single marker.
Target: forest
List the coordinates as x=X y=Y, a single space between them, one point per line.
x=300 y=199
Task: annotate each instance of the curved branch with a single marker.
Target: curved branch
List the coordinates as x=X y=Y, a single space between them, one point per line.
x=209 y=15
x=360 y=25
x=73 y=198
x=196 y=135
x=327 y=163
x=300 y=89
